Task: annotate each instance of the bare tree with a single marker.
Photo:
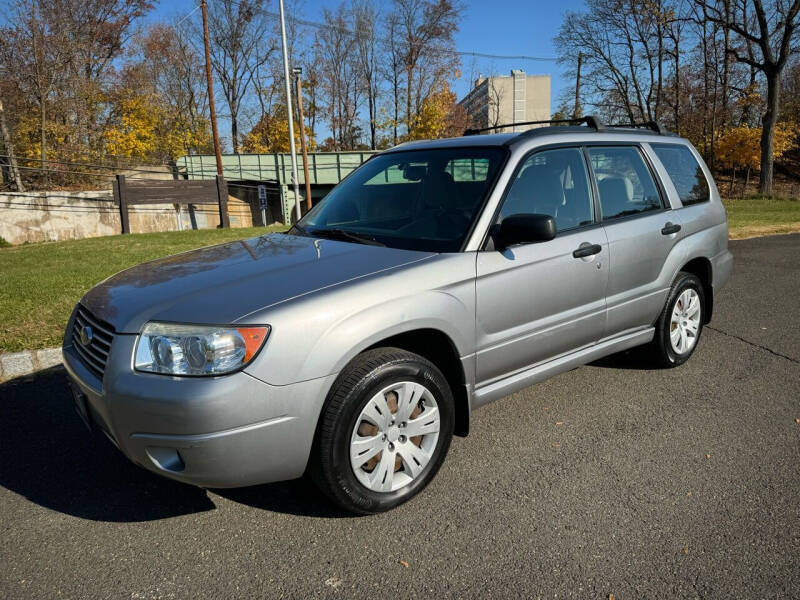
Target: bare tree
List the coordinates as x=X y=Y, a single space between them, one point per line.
x=366 y=18
x=772 y=29
x=31 y=54
x=496 y=95
x=340 y=78
x=393 y=68
x=240 y=46
x=426 y=33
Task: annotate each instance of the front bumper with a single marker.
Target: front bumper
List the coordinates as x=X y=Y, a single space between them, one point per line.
x=228 y=431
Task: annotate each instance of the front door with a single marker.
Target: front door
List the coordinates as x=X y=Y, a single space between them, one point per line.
x=538 y=301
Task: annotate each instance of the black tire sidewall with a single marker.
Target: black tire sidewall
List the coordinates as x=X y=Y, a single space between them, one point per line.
x=341 y=474
x=682 y=283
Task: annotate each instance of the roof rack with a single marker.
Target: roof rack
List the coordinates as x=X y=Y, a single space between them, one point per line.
x=589 y=120
x=652 y=125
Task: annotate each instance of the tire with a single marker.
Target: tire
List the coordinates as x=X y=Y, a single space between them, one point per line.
x=382 y=378
x=666 y=353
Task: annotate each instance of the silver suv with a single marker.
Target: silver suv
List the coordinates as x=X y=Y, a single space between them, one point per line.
x=439 y=276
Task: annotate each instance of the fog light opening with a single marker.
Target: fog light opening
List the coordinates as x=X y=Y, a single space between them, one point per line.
x=166 y=459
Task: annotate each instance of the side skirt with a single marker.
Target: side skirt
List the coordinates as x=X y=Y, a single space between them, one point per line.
x=504 y=387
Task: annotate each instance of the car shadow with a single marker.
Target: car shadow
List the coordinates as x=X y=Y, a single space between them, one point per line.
x=635 y=359
x=49 y=457
x=298 y=497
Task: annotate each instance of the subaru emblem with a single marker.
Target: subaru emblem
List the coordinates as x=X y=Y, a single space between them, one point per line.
x=86 y=335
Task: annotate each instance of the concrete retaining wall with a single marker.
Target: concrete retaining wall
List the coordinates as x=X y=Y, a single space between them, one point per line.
x=56 y=216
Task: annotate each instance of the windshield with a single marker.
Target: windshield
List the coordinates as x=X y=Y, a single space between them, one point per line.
x=416 y=199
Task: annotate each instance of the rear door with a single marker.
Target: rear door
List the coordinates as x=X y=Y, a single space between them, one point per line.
x=537 y=301
x=641 y=231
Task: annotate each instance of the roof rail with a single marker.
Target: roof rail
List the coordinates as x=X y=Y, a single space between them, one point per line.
x=589 y=120
x=652 y=125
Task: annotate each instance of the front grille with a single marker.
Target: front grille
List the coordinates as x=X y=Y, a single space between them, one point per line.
x=94 y=354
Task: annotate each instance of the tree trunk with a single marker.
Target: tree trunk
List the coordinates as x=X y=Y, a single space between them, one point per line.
x=43 y=125
x=409 y=75
x=12 y=159
x=235 y=135
x=746 y=182
x=768 y=133
x=577 y=108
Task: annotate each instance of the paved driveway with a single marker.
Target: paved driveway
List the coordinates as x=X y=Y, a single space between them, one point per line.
x=611 y=479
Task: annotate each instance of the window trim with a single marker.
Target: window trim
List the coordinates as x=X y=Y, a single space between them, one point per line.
x=662 y=194
x=690 y=150
x=487 y=235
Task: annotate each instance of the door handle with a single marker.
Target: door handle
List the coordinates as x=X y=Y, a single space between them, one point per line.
x=587 y=250
x=670 y=228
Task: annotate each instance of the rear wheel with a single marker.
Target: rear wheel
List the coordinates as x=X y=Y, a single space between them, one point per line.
x=384 y=431
x=680 y=324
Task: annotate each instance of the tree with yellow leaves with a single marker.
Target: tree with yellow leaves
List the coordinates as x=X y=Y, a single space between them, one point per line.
x=439 y=117
x=144 y=129
x=740 y=147
x=271 y=134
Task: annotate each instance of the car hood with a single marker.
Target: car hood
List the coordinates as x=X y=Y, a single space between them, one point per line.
x=224 y=284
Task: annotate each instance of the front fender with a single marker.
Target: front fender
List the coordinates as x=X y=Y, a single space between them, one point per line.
x=360 y=330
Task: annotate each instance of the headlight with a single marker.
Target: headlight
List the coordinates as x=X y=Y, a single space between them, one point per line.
x=175 y=349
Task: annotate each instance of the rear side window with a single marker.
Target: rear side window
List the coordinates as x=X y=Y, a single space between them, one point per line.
x=685 y=172
x=624 y=181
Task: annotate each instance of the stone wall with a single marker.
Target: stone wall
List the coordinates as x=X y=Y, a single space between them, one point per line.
x=56 y=216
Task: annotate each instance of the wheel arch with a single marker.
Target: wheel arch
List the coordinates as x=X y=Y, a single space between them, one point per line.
x=436 y=346
x=701 y=268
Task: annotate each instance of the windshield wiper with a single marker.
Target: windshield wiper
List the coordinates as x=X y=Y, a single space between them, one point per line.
x=350 y=236
x=298 y=228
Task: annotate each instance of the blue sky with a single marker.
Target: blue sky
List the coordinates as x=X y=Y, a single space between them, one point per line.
x=504 y=27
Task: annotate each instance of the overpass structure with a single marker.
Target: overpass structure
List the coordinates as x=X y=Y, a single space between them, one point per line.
x=325 y=169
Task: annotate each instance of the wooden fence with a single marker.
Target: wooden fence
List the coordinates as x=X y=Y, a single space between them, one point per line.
x=181 y=191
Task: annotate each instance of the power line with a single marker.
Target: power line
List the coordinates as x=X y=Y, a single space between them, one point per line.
x=318 y=25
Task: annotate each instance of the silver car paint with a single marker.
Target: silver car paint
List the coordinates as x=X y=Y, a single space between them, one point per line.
x=514 y=317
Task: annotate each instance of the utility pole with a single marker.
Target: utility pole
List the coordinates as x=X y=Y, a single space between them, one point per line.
x=298 y=210
x=210 y=82
x=297 y=72
x=577 y=107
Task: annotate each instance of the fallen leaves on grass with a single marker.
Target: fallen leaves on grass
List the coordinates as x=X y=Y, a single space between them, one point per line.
x=404 y=563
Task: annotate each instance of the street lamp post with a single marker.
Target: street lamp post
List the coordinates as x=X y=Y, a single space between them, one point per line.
x=289 y=111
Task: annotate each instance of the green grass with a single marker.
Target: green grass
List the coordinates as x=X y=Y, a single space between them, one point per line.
x=749 y=217
x=40 y=283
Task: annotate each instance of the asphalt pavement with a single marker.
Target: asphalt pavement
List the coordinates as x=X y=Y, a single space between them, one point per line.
x=610 y=479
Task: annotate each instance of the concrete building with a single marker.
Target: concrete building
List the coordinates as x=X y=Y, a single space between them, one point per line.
x=513 y=98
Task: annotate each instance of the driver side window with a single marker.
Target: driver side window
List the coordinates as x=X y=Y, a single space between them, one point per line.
x=555 y=183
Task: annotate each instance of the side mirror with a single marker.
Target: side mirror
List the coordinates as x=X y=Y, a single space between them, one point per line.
x=523 y=229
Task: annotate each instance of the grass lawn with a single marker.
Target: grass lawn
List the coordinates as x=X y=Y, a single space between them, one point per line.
x=40 y=283
x=751 y=217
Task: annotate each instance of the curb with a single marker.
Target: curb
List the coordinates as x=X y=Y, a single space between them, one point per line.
x=17 y=364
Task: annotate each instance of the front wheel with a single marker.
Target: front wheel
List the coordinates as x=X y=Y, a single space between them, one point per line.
x=680 y=324
x=384 y=431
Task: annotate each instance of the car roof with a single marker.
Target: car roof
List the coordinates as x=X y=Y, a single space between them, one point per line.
x=587 y=134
